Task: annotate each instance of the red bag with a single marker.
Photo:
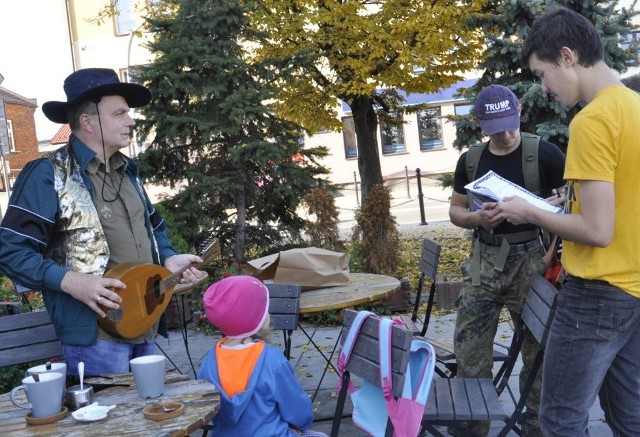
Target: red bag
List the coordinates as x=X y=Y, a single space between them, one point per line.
x=555 y=272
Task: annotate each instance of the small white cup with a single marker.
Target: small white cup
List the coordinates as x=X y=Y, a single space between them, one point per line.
x=148 y=374
x=49 y=368
x=44 y=396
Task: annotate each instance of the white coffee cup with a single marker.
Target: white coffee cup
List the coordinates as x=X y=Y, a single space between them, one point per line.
x=44 y=396
x=48 y=368
x=148 y=374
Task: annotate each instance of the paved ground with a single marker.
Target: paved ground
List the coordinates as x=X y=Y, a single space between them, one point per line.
x=309 y=366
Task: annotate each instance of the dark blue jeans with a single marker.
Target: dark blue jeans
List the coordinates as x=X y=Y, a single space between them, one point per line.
x=593 y=350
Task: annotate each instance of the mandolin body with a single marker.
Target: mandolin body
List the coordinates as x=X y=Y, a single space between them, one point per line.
x=145 y=298
x=148 y=291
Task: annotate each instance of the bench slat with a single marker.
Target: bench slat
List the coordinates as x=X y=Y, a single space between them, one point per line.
x=460 y=400
x=491 y=401
x=27 y=337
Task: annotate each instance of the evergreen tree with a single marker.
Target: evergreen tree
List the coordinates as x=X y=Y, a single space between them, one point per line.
x=240 y=171
x=505 y=24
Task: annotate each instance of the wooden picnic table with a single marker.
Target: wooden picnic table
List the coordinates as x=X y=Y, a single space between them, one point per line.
x=200 y=398
x=361 y=288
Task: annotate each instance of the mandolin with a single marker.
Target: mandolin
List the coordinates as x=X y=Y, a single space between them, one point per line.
x=148 y=293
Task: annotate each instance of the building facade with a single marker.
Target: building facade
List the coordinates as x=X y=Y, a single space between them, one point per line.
x=21 y=128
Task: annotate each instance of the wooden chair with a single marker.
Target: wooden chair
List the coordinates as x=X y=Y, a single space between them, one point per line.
x=428 y=267
x=365 y=363
x=27 y=337
x=462 y=399
x=445 y=354
x=284 y=304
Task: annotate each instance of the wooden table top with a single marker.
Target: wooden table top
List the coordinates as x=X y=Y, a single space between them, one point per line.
x=200 y=398
x=361 y=288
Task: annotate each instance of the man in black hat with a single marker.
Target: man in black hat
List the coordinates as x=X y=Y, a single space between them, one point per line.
x=81 y=210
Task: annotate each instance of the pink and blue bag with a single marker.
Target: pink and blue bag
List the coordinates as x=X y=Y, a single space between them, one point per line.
x=372 y=405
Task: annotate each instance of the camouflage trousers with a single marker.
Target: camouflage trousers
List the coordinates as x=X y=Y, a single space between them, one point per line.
x=477 y=323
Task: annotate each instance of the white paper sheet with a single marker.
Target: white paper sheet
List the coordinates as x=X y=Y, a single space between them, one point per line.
x=493 y=187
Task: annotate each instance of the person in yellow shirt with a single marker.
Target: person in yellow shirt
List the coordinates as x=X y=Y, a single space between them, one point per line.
x=594 y=343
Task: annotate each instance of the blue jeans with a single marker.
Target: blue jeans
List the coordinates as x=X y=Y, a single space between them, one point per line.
x=593 y=350
x=105 y=356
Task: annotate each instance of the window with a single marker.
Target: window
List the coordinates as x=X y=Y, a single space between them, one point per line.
x=125 y=17
x=632 y=40
x=392 y=136
x=462 y=110
x=12 y=143
x=124 y=75
x=6 y=133
x=349 y=137
x=430 y=129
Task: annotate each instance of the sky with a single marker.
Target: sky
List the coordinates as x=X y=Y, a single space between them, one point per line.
x=36 y=53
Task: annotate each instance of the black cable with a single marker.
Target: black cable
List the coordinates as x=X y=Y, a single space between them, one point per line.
x=104 y=154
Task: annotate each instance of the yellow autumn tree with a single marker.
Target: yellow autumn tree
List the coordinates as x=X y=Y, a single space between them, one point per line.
x=362 y=52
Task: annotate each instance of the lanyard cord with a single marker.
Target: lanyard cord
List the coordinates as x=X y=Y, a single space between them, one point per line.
x=104 y=154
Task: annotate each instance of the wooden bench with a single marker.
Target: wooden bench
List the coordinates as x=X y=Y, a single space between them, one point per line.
x=461 y=399
x=27 y=337
x=284 y=306
x=365 y=361
x=445 y=354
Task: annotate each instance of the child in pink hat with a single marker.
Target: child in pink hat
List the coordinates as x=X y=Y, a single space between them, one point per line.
x=259 y=394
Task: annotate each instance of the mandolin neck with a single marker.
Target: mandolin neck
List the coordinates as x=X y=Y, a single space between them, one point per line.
x=212 y=250
x=173 y=280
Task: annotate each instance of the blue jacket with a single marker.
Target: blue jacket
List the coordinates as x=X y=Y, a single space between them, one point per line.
x=273 y=399
x=31 y=226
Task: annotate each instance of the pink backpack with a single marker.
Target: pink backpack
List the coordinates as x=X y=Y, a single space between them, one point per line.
x=372 y=405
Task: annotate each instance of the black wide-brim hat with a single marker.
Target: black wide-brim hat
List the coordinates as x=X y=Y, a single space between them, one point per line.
x=89 y=83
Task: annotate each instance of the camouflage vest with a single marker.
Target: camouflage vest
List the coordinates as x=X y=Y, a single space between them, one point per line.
x=78 y=241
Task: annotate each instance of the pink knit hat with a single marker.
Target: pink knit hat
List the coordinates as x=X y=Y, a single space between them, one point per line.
x=237 y=305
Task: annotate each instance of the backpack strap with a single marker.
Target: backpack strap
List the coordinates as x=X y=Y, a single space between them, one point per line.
x=385 y=333
x=530 y=146
x=423 y=358
x=472 y=158
x=349 y=342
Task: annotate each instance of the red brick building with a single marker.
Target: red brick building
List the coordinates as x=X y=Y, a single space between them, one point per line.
x=22 y=132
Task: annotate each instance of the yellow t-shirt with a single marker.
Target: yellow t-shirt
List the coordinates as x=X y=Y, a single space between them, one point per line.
x=604 y=145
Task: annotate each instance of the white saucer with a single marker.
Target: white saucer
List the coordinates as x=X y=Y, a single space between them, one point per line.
x=92 y=412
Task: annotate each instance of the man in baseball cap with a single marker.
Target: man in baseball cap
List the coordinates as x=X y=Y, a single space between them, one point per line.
x=504 y=256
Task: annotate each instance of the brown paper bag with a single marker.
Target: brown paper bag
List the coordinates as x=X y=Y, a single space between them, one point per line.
x=310 y=267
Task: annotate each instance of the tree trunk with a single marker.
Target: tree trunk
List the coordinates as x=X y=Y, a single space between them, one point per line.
x=365 y=122
x=241 y=217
